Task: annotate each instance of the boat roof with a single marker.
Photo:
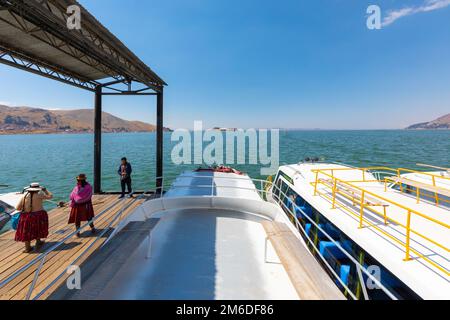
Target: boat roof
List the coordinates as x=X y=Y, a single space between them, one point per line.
x=199 y=254
x=385 y=243
x=207 y=183
x=205 y=243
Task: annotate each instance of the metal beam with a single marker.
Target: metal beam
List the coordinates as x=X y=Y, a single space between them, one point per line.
x=159 y=139
x=30 y=64
x=93 y=45
x=98 y=141
x=131 y=93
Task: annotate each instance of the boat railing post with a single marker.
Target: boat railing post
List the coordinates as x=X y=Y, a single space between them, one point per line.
x=317 y=181
x=408 y=236
x=160 y=188
x=436 y=196
x=261 y=188
x=400 y=180
x=418 y=194
x=385 y=215
x=361 y=213
x=334 y=193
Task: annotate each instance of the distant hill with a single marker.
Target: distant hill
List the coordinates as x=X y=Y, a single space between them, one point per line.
x=34 y=120
x=440 y=123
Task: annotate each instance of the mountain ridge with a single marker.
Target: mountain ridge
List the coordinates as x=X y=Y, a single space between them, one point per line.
x=439 y=123
x=15 y=120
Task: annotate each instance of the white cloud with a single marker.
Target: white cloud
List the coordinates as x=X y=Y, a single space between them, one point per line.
x=426 y=6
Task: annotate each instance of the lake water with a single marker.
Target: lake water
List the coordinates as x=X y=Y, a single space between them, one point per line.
x=54 y=160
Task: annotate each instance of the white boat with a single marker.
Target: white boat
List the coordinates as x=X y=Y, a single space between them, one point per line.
x=213 y=235
x=8 y=203
x=398 y=233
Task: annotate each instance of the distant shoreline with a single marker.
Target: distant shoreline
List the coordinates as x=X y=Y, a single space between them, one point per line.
x=27 y=133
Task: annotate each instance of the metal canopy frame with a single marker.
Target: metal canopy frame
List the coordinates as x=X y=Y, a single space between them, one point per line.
x=34 y=37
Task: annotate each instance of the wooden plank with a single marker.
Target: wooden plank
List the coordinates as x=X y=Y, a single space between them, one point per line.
x=60 y=259
x=309 y=279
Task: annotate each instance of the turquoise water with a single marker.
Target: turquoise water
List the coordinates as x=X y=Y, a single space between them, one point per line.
x=54 y=160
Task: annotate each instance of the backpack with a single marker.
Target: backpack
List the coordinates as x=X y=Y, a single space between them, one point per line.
x=15 y=221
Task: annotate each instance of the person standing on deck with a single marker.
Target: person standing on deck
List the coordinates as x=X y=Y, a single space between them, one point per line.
x=33 y=221
x=124 y=172
x=81 y=204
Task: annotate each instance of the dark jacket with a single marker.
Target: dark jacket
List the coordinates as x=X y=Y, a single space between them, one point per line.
x=128 y=169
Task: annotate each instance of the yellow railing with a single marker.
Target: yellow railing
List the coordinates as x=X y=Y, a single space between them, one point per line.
x=368 y=200
x=436 y=197
x=434 y=177
x=395 y=171
x=420 y=192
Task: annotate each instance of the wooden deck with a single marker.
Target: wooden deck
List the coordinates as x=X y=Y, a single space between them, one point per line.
x=107 y=208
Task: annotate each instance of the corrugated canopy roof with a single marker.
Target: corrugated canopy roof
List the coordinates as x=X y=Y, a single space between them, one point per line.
x=34 y=36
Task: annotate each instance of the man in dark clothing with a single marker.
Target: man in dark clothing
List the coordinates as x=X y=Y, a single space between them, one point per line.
x=125 y=177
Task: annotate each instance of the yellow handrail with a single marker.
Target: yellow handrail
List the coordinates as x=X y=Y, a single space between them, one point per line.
x=398 y=173
x=363 y=205
x=433 y=176
x=419 y=192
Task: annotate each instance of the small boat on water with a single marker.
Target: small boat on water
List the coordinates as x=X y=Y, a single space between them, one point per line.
x=394 y=222
x=8 y=203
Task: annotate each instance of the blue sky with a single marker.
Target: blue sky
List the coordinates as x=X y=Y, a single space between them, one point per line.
x=293 y=64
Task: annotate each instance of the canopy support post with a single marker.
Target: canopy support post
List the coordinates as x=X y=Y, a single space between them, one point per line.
x=98 y=140
x=159 y=140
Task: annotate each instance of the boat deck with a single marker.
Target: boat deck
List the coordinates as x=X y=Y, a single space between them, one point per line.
x=71 y=251
x=193 y=255
x=426 y=270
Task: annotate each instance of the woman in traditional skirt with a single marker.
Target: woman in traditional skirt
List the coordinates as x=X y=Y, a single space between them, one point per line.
x=81 y=204
x=33 y=221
